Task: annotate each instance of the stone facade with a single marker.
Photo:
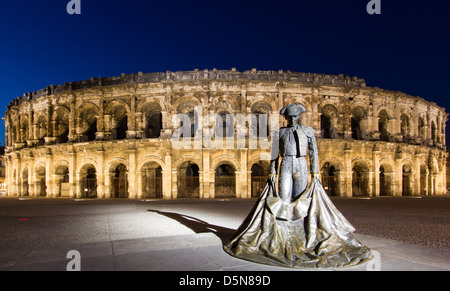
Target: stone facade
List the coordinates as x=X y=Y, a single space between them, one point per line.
x=111 y=137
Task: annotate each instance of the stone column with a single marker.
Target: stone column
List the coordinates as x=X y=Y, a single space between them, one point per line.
x=132 y=174
x=167 y=177
x=348 y=171
x=376 y=172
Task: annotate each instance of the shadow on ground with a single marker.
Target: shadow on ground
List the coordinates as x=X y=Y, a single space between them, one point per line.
x=199 y=226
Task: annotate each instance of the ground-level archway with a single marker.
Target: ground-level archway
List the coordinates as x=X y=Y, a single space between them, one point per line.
x=41 y=187
x=119 y=182
x=151 y=180
x=360 y=180
x=188 y=181
x=385 y=180
x=330 y=179
x=25 y=187
x=258 y=179
x=88 y=181
x=62 y=181
x=225 y=181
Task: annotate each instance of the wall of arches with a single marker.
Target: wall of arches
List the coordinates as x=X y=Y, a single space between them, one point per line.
x=114 y=141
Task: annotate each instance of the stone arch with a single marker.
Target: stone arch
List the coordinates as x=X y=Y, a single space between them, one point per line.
x=383 y=125
x=405 y=126
x=386 y=177
x=329 y=118
x=223 y=159
x=24 y=181
x=61 y=181
x=407 y=177
x=185 y=104
x=24 y=130
x=88 y=180
x=188 y=180
x=259 y=125
x=41 y=128
x=119 y=120
x=151 y=172
x=87 y=122
x=151 y=119
x=360 y=178
x=109 y=109
x=332 y=175
x=260 y=170
x=61 y=117
x=40 y=179
x=358 y=118
x=151 y=100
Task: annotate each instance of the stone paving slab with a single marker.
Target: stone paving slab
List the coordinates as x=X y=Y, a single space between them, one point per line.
x=202 y=252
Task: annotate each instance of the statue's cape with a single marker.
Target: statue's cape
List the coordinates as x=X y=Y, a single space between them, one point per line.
x=306 y=233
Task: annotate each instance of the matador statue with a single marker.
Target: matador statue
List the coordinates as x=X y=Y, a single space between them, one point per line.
x=294 y=225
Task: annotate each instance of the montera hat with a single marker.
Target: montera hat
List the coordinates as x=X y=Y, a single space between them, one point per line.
x=293 y=109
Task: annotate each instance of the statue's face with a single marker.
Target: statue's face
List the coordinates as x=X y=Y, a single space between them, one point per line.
x=292 y=119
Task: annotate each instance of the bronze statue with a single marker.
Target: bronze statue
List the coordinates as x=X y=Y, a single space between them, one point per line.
x=296 y=225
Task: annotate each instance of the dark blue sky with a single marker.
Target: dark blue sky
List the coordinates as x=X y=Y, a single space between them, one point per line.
x=406 y=48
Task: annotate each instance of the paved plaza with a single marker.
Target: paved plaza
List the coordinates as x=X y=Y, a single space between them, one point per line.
x=186 y=235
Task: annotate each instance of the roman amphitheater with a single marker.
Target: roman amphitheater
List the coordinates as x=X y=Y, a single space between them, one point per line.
x=113 y=137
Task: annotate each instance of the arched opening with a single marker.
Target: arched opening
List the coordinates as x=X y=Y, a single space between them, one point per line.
x=433 y=131
x=406 y=180
x=62 y=181
x=259 y=180
x=41 y=188
x=328 y=120
x=88 y=125
x=405 y=127
x=120 y=182
x=88 y=182
x=62 y=125
x=152 y=120
x=421 y=129
x=225 y=181
x=260 y=119
x=423 y=180
x=41 y=129
x=385 y=181
x=188 y=181
x=360 y=180
x=151 y=177
x=25 y=189
x=224 y=125
x=325 y=126
x=330 y=179
x=119 y=123
x=358 y=114
x=383 y=120
x=24 y=134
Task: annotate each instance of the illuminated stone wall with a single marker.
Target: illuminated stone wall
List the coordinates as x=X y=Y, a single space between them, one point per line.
x=111 y=137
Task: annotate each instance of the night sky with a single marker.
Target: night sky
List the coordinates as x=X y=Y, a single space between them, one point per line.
x=406 y=48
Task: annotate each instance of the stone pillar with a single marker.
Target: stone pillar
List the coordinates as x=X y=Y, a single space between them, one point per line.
x=242 y=176
x=132 y=174
x=167 y=177
x=205 y=180
x=376 y=172
x=416 y=190
x=348 y=171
